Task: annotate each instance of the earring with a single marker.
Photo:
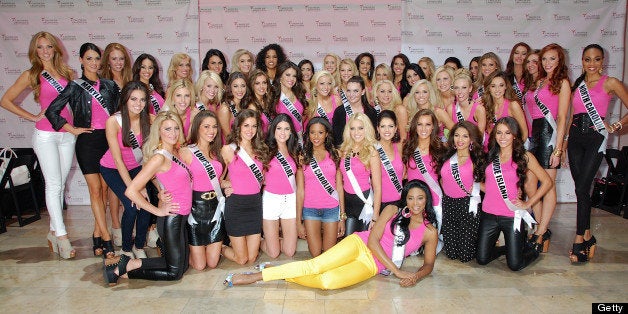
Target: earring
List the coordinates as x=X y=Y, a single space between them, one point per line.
x=159 y=145
x=406 y=213
x=451 y=87
x=471 y=147
x=600 y=71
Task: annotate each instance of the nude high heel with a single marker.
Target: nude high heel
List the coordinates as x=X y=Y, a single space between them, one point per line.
x=66 y=251
x=52 y=242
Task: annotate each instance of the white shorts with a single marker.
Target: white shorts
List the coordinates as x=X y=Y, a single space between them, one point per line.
x=278 y=206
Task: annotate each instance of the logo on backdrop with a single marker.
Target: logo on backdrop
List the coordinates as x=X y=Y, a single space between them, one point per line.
x=285 y=8
x=257 y=9
x=474 y=18
x=517 y=34
x=367 y=7
x=134 y=19
x=67 y=37
x=322 y=23
x=607 y=32
x=211 y=25
x=7 y=37
x=94 y=3
x=106 y=20
x=475 y=51
x=125 y=36
x=164 y=18
x=532 y=17
x=312 y=8
x=269 y=24
x=78 y=20
x=312 y=39
x=258 y=40
x=94 y=37
x=49 y=21
x=19 y=21
x=415 y=16
x=240 y=25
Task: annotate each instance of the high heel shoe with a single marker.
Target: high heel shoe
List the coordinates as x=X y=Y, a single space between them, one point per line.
x=590 y=247
x=262 y=266
x=109 y=267
x=228 y=281
x=543 y=246
x=578 y=253
x=52 y=242
x=116 y=236
x=66 y=251
x=107 y=249
x=97 y=247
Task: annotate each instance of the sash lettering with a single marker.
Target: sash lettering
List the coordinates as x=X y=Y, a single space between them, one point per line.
x=520 y=213
x=367 y=211
x=321 y=112
x=318 y=172
x=594 y=115
x=287 y=169
x=154 y=103
x=257 y=172
x=93 y=92
x=135 y=144
x=213 y=178
x=291 y=108
x=346 y=104
x=388 y=166
x=518 y=91
x=51 y=80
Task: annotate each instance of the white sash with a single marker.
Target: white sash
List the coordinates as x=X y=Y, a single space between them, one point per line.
x=51 y=80
x=291 y=108
x=520 y=213
x=321 y=112
x=398 y=251
x=388 y=166
x=459 y=114
x=287 y=170
x=176 y=160
x=93 y=92
x=475 y=199
x=135 y=144
x=213 y=178
x=200 y=106
x=233 y=110
x=378 y=109
x=480 y=91
x=154 y=103
x=257 y=172
x=594 y=115
x=547 y=114
x=515 y=86
x=318 y=172
x=367 y=211
x=346 y=104
x=434 y=187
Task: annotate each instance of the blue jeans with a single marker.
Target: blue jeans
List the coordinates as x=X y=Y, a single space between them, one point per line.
x=131 y=216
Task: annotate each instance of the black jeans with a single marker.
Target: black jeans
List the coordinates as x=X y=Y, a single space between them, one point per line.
x=518 y=255
x=175 y=254
x=584 y=161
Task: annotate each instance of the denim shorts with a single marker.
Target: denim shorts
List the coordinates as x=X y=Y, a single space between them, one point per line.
x=322 y=214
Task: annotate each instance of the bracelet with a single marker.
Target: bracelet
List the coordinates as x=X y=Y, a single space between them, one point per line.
x=373 y=220
x=557 y=152
x=566 y=137
x=621 y=125
x=343 y=216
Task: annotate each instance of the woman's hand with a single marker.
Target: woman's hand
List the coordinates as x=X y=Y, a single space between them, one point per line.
x=409 y=282
x=169 y=209
x=164 y=196
x=228 y=191
x=341 y=228
x=39 y=116
x=301 y=231
x=554 y=161
x=521 y=204
x=402 y=274
x=78 y=131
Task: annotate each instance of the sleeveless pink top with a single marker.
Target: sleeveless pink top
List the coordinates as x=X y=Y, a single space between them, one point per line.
x=599 y=98
x=388 y=240
x=470 y=118
x=493 y=202
x=545 y=96
x=99 y=114
x=200 y=178
x=160 y=101
x=529 y=102
x=177 y=181
x=47 y=94
x=279 y=183
x=448 y=182
x=281 y=108
x=415 y=173
x=361 y=173
x=389 y=192
x=187 y=121
x=315 y=194
x=128 y=158
x=242 y=178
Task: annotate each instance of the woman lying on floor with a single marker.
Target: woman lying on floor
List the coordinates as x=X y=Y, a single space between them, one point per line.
x=398 y=232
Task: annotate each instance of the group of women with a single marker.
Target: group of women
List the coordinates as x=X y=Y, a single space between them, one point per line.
x=391 y=159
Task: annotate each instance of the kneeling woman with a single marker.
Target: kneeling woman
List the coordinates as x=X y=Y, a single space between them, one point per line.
x=161 y=161
x=360 y=256
x=503 y=208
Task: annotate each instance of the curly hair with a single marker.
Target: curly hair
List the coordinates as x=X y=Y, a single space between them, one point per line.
x=518 y=151
x=476 y=151
x=412 y=142
x=257 y=143
x=154 y=80
x=560 y=73
x=266 y=104
x=308 y=149
x=297 y=89
x=229 y=96
x=429 y=215
x=37 y=66
x=260 y=61
x=489 y=104
x=235 y=60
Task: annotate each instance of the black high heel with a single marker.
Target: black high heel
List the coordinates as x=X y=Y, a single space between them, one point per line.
x=578 y=253
x=590 y=247
x=97 y=247
x=109 y=267
x=107 y=249
x=543 y=246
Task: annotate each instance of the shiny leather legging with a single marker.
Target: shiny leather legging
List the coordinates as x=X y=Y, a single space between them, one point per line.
x=518 y=255
x=353 y=209
x=175 y=252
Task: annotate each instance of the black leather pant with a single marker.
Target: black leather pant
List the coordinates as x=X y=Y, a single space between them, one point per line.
x=353 y=209
x=584 y=161
x=175 y=252
x=518 y=255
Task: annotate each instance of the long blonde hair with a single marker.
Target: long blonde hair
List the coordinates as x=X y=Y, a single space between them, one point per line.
x=154 y=140
x=235 y=67
x=336 y=73
x=311 y=109
x=127 y=73
x=354 y=71
x=367 y=146
x=396 y=99
x=430 y=65
x=200 y=83
x=176 y=84
x=37 y=66
x=413 y=107
x=386 y=68
x=174 y=63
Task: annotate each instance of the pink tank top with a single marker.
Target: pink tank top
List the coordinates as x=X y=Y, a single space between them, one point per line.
x=529 y=102
x=47 y=94
x=187 y=121
x=470 y=118
x=281 y=108
x=389 y=192
x=265 y=122
x=242 y=178
x=388 y=239
x=550 y=100
x=493 y=202
x=599 y=98
x=279 y=183
x=200 y=178
x=505 y=112
x=99 y=114
x=177 y=181
x=361 y=173
x=448 y=182
x=315 y=194
x=158 y=98
x=415 y=173
x=128 y=158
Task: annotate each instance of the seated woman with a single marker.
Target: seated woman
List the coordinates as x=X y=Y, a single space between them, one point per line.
x=360 y=256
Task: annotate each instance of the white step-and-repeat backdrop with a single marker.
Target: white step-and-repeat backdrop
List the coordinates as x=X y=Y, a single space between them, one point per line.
x=306 y=30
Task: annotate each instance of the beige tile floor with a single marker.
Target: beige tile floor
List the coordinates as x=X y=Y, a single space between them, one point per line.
x=33 y=280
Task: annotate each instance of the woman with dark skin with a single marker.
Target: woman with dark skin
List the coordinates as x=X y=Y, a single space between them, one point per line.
x=269 y=58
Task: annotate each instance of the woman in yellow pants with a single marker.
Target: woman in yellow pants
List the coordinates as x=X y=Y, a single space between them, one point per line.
x=398 y=232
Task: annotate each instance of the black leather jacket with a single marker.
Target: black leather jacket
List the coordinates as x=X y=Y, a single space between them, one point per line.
x=80 y=102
